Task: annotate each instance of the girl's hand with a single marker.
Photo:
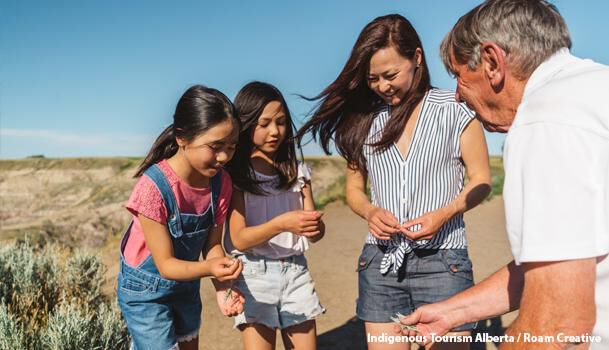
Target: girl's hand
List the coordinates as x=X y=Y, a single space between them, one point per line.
x=430 y=223
x=301 y=222
x=320 y=235
x=230 y=301
x=382 y=224
x=225 y=268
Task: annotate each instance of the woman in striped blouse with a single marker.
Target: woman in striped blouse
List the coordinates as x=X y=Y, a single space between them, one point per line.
x=414 y=143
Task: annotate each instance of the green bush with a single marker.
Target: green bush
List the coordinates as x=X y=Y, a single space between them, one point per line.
x=335 y=192
x=74 y=326
x=53 y=300
x=83 y=280
x=497 y=185
x=12 y=334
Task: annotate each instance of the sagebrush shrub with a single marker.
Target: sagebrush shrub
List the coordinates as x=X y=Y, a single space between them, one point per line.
x=74 y=326
x=12 y=334
x=83 y=279
x=30 y=283
x=53 y=300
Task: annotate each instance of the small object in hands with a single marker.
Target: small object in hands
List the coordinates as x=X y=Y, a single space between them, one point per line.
x=232 y=261
x=396 y=319
x=229 y=292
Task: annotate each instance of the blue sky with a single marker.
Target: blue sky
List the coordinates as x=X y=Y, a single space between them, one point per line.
x=101 y=78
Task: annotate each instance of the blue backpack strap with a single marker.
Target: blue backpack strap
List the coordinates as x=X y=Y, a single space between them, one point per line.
x=173 y=212
x=216 y=188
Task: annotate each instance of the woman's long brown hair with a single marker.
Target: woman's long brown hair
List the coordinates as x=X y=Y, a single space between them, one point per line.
x=346 y=107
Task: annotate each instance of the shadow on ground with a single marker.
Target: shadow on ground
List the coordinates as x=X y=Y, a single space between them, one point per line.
x=350 y=335
x=493 y=327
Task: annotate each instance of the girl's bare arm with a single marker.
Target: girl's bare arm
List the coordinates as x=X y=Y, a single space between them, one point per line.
x=159 y=243
x=309 y=204
x=245 y=237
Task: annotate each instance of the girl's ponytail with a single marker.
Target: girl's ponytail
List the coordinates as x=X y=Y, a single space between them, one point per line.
x=164 y=147
x=199 y=109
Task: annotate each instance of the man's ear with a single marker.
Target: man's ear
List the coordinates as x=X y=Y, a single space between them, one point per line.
x=494 y=63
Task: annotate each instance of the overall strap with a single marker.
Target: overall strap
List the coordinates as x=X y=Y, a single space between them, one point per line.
x=173 y=212
x=216 y=188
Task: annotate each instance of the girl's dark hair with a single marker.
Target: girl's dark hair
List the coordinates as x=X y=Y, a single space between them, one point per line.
x=347 y=105
x=250 y=103
x=199 y=109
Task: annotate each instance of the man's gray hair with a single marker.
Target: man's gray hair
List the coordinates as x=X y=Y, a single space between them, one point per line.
x=529 y=31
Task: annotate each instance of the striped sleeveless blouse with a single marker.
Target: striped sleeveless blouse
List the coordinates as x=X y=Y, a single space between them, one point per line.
x=429 y=177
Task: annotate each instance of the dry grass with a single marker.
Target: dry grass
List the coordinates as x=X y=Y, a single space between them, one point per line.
x=79 y=201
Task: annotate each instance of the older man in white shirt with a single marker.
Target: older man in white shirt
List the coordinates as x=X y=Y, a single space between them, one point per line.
x=513 y=67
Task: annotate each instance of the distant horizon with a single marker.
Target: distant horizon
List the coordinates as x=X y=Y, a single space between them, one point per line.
x=102 y=78
x=38 y=156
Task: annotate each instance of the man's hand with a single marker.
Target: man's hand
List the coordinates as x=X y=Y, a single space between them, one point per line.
x=431 y=318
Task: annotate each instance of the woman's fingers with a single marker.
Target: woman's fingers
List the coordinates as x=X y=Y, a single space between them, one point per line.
x=423 y=231
x=387 y=229
x=378 y=233
x=389 y=219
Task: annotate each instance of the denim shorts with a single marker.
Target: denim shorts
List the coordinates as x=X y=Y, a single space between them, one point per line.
x=279 y=293
x=159 y=313
x=426 y=276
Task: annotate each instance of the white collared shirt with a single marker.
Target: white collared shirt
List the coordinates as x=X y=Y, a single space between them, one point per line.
x=556 y=158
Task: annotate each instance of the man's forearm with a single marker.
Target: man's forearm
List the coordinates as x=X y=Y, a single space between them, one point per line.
x=558 y=298
x=496 y=295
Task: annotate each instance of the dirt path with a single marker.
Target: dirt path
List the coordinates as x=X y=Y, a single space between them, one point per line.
x=336 y=280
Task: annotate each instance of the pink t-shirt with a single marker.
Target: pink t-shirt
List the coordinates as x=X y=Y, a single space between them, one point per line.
x=146 y=199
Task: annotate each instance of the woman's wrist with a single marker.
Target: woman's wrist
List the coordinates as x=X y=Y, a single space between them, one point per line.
x=451 y=210
x=368 y=211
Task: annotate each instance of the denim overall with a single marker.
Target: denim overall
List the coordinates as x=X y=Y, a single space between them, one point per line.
x=158 y=311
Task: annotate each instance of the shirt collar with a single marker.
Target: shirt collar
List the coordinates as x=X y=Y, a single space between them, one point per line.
x=547 y=69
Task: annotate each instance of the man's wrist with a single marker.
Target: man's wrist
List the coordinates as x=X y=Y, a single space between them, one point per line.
x=455 y=315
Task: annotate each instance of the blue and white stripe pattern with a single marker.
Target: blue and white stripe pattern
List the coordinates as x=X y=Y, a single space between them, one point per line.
x=429 y=177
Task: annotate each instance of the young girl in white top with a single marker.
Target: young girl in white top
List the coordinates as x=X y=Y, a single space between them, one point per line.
x=272 y=220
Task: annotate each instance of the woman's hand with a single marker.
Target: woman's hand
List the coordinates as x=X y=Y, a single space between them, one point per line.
x=430 y=224
x=301 y=222
x=225 y=268
x=230 y=301
x=381 y=223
